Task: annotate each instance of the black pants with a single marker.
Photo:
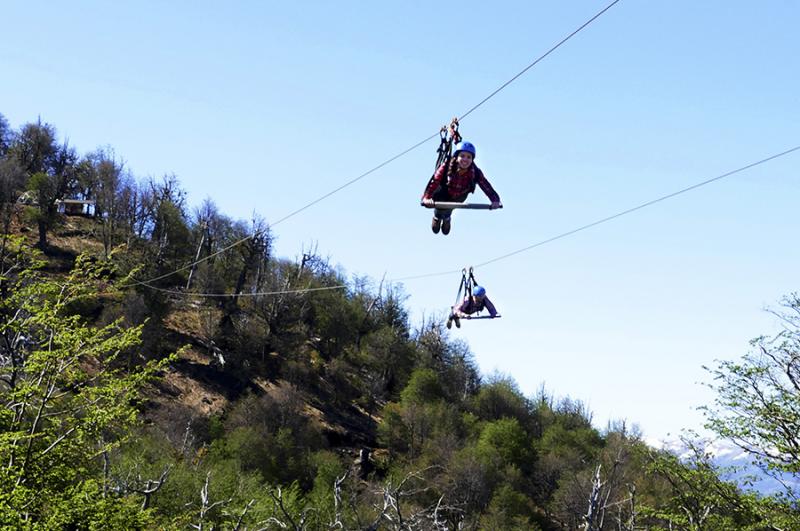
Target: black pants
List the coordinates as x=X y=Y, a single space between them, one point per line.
x=443 y=195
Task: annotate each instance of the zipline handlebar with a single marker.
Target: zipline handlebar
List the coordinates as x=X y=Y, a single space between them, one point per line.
x=449 y=206
x=481 y=317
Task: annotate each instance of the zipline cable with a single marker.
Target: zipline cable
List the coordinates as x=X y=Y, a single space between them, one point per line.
x=251 y=294
x=284 y=218
x=535 y=62
x=639 y=207
x=518 y=251
x=379 y=166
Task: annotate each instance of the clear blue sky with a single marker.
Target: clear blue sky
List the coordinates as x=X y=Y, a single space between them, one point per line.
x=265 y=106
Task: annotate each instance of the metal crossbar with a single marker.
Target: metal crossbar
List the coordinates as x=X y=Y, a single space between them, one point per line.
x=449 y=206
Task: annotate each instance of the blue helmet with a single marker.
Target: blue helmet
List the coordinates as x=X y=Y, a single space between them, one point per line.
x=478 y=291
x=465 y=146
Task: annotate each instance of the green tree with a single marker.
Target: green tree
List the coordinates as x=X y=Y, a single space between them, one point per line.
x=51 y=170
x=697 y=498
x=565 y=450
x=509 y=510
x=500 y=397
x=45 y=190
x=423 y=386
x=758 y=400
x=65 y=401
x=392 y=431
x=452 y=360
x=506 y=441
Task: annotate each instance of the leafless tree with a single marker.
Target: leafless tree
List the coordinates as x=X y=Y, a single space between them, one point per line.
x=104 y=178
x=393 y=514
x=206 y=505
x=136 y=208
x=594 y=516
x=609 y=493
x=6 y=134
x=145 y=487
x=240 y=516
x=336 y=523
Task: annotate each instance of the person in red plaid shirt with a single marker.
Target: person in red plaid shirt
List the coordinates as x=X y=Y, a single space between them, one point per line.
x=462 y=176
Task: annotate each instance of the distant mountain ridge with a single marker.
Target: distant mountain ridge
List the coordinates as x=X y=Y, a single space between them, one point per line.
x=737 y=464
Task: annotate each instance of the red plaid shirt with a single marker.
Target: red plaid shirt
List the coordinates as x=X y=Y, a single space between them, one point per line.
x=460 y=183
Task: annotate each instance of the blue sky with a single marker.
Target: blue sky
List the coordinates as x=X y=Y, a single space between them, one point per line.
x=265 y=106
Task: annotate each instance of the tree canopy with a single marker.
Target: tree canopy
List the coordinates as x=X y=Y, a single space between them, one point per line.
x=303 y=399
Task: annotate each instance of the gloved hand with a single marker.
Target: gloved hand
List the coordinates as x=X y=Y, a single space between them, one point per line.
x=427 y=201
x=496 y=204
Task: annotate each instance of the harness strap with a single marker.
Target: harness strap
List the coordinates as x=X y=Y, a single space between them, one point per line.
x=444 y=149
x=447 y=135
x=472 y=281
x=463 y=285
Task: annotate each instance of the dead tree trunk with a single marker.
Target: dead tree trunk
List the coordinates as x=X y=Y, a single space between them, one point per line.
x=592 y=515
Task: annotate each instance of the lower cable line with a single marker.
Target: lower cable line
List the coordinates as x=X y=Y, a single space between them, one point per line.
x=639 y=207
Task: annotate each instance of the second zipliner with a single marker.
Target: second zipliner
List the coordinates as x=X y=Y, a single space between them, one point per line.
x=474 y=301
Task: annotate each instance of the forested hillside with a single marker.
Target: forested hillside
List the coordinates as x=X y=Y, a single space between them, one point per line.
x=302 y=398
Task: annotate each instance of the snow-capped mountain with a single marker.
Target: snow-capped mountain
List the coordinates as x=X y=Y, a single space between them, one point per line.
x=736 y=465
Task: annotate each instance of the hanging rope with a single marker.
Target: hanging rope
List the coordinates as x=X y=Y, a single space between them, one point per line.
x=463 y=285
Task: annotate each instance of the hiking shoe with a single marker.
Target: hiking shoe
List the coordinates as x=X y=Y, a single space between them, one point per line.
x=436 y=223
x=457 y=321
x=450 y=322
x=446 y=226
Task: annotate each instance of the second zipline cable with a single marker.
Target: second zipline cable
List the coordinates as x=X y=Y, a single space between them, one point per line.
x=523 y=249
